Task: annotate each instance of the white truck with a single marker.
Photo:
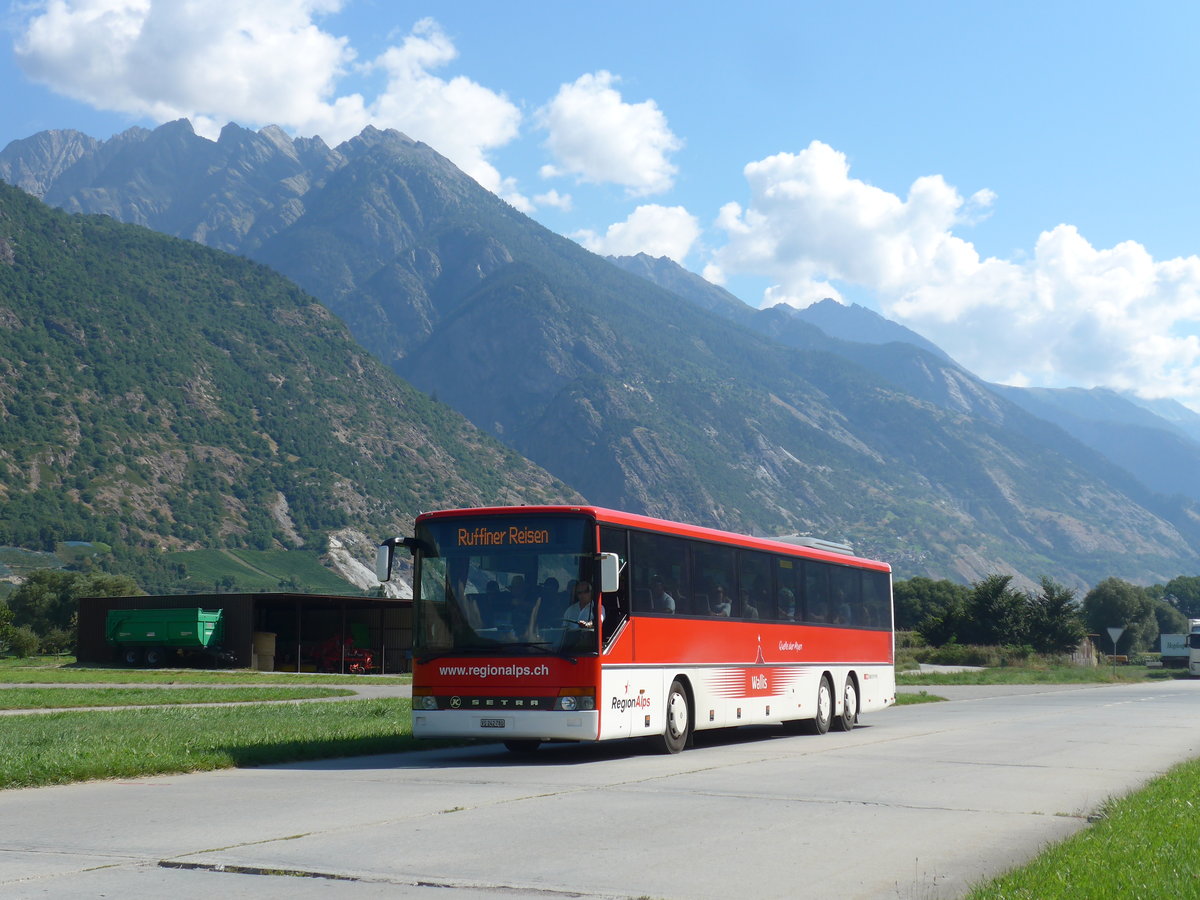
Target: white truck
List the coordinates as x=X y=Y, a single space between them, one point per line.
x=1193 y=642
x=1174 y=649
x=1179 y=650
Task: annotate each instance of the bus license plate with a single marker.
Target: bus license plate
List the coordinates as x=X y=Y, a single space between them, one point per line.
x=491 y=723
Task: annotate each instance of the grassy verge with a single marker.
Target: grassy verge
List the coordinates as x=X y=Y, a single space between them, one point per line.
x=1041 y=675
x=1145 y=846
x=64 y=670
x=56 y=748
x=67 y=697
x=923 y=697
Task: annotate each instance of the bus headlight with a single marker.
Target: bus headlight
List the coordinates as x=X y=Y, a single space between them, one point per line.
x=427 y=702
x=576 y=702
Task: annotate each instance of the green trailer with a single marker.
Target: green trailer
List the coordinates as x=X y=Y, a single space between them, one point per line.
x=155 y=636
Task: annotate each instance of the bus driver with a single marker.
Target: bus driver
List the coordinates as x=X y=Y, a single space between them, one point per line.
x=580 y=614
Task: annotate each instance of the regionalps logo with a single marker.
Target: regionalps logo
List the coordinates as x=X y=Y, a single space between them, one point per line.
x=641 y=701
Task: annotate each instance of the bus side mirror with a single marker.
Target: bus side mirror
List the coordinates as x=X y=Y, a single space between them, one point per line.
x=386 y=554
x=383 y=559
x=610 y=572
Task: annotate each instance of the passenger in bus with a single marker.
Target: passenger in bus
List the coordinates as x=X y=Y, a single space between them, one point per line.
x=551 y=604
x=842 y=614
x=660 y=600
x=521 y=623
x=483 y=610
x=787 y=604
x=747 y=608
x=720 y=605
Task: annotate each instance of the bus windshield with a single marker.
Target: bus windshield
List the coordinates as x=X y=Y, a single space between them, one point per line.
x=505 y=585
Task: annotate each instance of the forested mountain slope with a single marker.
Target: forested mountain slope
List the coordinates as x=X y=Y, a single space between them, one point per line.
x=156 y=394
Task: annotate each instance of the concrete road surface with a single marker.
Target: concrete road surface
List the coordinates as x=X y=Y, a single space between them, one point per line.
x=920 y=802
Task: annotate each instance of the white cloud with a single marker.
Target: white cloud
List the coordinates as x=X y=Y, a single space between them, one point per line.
x=655 y=230
x=261 y=63
x=599 y=138
x=1071 y=314
x=266 y=61
x=459 y=118
x=553 y=198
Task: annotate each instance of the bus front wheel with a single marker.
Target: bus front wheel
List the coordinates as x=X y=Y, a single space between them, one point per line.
x=675 y=734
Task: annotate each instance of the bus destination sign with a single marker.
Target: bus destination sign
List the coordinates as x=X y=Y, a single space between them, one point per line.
x=513 y=535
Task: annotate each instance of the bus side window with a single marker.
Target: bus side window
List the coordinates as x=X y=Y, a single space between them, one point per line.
x=660 y=583
x=754 y=585
x=876 y=608
x=816 y=591
x=788 y=592
x=845 y=588
x=714 y=576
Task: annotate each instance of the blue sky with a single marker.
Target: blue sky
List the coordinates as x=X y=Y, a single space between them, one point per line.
x=1015 y=181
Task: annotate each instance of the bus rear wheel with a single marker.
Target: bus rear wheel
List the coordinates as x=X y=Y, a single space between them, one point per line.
x=849 y=717
x=675 y=735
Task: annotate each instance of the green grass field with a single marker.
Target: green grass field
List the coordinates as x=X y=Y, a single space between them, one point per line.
x=63 y=670
x=56 y=748
x=73 y=697
x=1042 y=675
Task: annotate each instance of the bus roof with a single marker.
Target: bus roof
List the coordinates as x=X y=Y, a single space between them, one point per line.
x=649 y=523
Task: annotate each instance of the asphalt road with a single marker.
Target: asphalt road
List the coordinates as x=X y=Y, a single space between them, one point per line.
x=920 y=802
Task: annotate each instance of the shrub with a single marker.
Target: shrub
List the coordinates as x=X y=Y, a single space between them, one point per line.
x=23 y=641
x=58 y=640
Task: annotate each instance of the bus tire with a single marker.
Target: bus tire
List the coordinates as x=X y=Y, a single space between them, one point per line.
x=155 y=657
x=523 y=747
x=132 y=656
x=819 y=724
x=849 y=717
x=675 y=733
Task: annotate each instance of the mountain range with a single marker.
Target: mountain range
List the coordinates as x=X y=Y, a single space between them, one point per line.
x=638 y=385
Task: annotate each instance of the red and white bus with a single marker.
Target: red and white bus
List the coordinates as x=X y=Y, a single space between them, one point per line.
x=697 y=628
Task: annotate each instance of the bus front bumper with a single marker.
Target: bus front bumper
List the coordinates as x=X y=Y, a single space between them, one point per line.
x=507 y=725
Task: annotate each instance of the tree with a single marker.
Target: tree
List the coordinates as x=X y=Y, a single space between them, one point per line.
x=1184 y=594
x=42 y=602
x=48 y=600
x=998 y=614
x=1055 y=619
x=919 y=598
x=1115 y=603
x=1170 y=620
x=6 y=625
